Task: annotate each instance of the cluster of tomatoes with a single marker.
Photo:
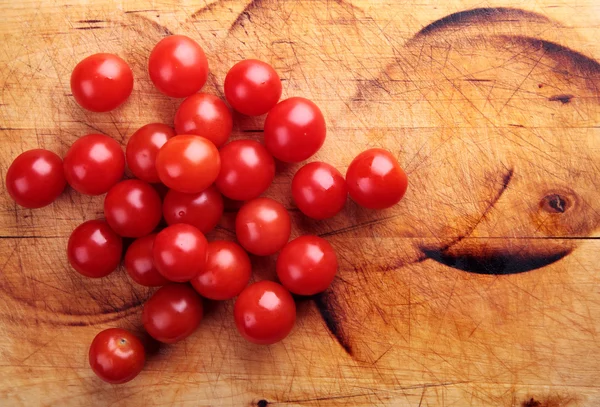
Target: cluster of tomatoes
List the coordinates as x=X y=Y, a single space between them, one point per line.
x=197 y=166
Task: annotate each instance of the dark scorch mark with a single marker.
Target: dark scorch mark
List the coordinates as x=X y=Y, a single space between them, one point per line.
x=564 y=99
x=326 y=306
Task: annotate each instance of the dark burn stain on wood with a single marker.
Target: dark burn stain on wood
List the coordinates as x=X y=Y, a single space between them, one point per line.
x=262 y=403
x=555 y=203
x=563 y=98
x=326 y=306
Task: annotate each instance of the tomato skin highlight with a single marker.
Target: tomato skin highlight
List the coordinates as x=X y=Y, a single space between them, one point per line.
x=139 y=263
x=264 y=313
x=94 y=249
x=202 y=210
x=252 y=87
x=116 y=356
x=142 y=149
x=101 y=82
x=319 y=190
x=206 y=116
x=375 y=179
x=35 y=178
x=262 y=226
x=180 y=252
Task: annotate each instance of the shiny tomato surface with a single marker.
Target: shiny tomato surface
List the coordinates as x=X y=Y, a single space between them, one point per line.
x=204 y=115
x=139 y=263
x=262 y=226
x=252 y=87
x=142 y=149
x=319 y=190
x=180 y=252
x=94 y=249
x=202 y=210
x=116 y=355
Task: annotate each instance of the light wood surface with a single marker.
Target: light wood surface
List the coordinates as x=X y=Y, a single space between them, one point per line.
x=481 y=288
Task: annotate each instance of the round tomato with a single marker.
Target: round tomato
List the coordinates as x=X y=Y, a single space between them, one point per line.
x=307 y=265
x=264 y=313
x=188 y=163
x=294 y=130
x=132 y=208
x=206 y=116
x=247 y=170
x=173 y=313
x=93 y=164
x=178 y=66
x=139 y=263
x=262 y=226
x=35 y=178
x=143 y=147
x=180 y=252
x=116 y=356
x=252 y=87
x=202 y=210
x=319 y=190
x=375 y=179
x=101 y=82
x=226 y=273
x=94 y=249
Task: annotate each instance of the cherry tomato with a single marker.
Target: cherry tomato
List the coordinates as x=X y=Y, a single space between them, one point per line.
x=319 y=190
x=178 y=66
x=94 y=249
x=206 y=116
x=35 y=178
x=143 y=147
x=252 y=87
x=132 y=208
x=93 y=164
x=173 y=313
x=139 y=263
x=262 y=226
x=264 y=313
x=188 y=163
x=294 y=130
x=101 y=82
x=375 y=179
x=247 y=170
x=180 y=252
x=116 y=356
x=307 y=265
x=226 y=273
x=202 y=210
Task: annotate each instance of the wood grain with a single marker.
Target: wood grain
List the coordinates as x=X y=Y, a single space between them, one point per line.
x=480 y=289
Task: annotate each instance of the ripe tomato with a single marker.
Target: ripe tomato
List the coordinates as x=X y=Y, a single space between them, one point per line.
x=294 y=130
x=252 y=87
x=139 y=263
x=307 y=265
x=262 y=226
x=132 y=208
x=319 y=190
x=35 y=178
x=206 y=116
x=93 y=164
x=264 y=313
x=143 y=147
x=375 y=179
x=178 y=66
x=180 y=252
x=94 y=249
x=101 y=82
x=202 y=210
x=188 y=163
x=116 y=356
x=226 y=273
x=172 y=313
x=247 y=170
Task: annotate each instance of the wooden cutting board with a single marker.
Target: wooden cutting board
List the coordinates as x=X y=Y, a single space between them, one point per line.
x=481 y=288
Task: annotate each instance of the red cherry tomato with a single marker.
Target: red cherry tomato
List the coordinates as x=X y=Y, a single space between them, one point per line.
x=143 y=147
x=101 y=82
x=247 y=170
x=319 y=190
x=94 y=249
x=35 y=178
x=262 y=226
x=294 y=130
x=173 y=313
x=206 y=116
x=226 y=273
x=307 y=265
x=264 y=313
x=93 y=164
x=252 y=87
x=116 y=356
x=139 y=263
x=180 y=252
x=202 y=210
x=178 y=66
x=188 y=163
x=132 y=208
x=375 y=179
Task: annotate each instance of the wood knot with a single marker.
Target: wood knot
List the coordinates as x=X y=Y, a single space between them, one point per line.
x=262 y=403
x=555 y=203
